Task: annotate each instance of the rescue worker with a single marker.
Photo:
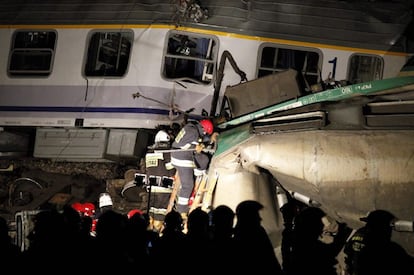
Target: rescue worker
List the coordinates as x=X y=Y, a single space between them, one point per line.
x=189 y=160
x=104 y=204
x=158 y=166
x=86 y=209
x=371 y=249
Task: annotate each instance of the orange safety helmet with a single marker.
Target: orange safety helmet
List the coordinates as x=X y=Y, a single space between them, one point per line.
x=207 y=126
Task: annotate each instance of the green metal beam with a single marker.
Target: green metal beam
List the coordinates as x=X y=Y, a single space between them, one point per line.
x=233 y=137
x=391 y=85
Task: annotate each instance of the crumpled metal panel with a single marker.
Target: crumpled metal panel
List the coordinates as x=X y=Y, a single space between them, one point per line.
x=348 y=172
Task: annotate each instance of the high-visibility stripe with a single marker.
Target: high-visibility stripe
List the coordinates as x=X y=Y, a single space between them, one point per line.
x=182 y=201
x=186 y=146
x=169 y=166
x=183 y=162
x=199 y=172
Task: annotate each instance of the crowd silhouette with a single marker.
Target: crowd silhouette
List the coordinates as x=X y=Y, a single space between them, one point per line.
x=219 y=241
x=308 y=254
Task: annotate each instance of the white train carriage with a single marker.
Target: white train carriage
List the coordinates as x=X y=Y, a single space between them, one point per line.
x=90 y=67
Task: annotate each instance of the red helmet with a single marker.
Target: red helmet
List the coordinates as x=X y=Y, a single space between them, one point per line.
x=133 y=212
x=89 y=209
x=207 y=126
x=77 y=206
x=86 y=209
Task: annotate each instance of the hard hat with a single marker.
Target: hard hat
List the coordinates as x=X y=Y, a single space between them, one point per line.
x=89 y=209
x=162 y=136
x=133 y=212
x=379 y=217
x=309 y=223
x=77 y=206
x=207 y=126
x=105 y=200
x=85 y=209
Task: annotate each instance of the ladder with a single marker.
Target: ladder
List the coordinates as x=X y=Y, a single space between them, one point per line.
x=202 y=194
x=199 y=189
x=174 y=193
x=208 y=197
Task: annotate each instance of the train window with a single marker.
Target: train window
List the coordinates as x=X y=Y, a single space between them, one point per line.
x=32 y=53
x=189 y=57
x=364 y=67
x=108 y=53
x=274 y=58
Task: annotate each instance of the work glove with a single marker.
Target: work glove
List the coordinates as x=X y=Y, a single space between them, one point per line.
x=199 y=147
x=213 y=137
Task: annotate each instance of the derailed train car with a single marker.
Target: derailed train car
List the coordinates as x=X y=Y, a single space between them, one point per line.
x=87 y=81
x=91 y=81
x=347 y=150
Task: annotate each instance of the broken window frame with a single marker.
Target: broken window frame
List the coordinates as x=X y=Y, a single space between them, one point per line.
x=309 y=68
x=183 y=62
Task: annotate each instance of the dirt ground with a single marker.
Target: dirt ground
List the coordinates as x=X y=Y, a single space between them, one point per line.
x=26 y=184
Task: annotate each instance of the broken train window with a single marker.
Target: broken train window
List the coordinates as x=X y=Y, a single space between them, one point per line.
x=190 y=57
x=275 y=58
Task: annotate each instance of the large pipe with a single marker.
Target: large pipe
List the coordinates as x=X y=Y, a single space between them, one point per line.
x=306 y=200
x=403 y=226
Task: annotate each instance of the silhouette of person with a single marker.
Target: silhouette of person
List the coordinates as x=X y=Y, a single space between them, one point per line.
x=171 y=245
x=308 y=253
x=223 y=244
x=85 y=230
x=371 y=251
x=222 y=223
x=197 y=241
x=9 y=252
x=255 y=252
x=140 y=240
x=48 y=240
x=110 y=245
x=289 y=211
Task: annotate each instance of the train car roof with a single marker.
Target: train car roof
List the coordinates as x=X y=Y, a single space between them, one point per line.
x=381 y=25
